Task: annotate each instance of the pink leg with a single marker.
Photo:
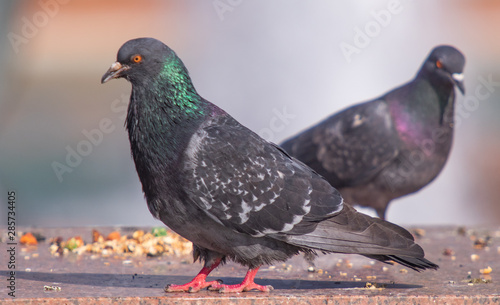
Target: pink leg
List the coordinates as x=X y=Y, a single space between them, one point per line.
x=198 y=282
x=247 y=284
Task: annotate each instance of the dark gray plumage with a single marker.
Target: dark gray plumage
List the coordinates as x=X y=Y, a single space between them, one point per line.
x=233 y=194
x=393 y=145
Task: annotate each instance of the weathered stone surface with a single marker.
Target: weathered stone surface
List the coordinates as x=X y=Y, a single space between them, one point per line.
x=93 y=279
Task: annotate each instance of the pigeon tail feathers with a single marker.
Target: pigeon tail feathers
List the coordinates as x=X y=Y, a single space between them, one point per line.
x=354 y=232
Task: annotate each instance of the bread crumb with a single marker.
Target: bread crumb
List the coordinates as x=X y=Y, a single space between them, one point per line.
x=485 y=270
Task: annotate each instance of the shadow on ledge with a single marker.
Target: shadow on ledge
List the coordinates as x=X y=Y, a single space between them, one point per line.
x=156 y=281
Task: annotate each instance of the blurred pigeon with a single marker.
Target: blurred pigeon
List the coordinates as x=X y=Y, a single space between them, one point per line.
x=391 y=146
x=233 y=194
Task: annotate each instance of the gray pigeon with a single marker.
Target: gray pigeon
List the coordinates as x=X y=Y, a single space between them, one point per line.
x=393 y=145
x=230 y=192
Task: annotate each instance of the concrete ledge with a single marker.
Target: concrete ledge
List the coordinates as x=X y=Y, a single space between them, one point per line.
x=338 y=279
x=252 y=300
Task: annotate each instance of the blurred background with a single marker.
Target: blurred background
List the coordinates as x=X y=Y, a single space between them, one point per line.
x=276 y=66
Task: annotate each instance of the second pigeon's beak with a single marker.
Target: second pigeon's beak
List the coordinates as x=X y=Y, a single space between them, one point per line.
x=114 y=72
x=458 y=79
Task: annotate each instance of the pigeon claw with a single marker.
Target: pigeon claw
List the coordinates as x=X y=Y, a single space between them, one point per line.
x=218 y=284
x=198 y=282
x=243 y=287
x=193 y=286
x=247 y=284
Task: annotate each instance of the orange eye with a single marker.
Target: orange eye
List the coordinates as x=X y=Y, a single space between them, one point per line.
x=439 y=64
x=137 y=58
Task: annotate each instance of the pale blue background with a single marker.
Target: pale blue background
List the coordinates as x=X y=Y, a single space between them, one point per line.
x=253 y=60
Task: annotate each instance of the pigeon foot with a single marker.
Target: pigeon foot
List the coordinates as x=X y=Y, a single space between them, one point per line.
x=243 y=287
x=198 y=282
x=247 y=284
x=194 y=286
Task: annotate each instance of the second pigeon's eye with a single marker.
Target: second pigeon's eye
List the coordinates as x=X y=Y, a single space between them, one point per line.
x=439 y=64
x=137 y=58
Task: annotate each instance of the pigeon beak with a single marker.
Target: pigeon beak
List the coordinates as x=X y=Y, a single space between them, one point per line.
x=114 y=72
x=458 y=79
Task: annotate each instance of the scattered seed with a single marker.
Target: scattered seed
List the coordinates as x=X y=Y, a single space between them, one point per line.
x=481 y=243
x=369 y=285
x=159 y=231
x=478 y=281
x=51 y=288
x=116 y=245
x=485 y=270
x=448 y=252
x=419 y=232
x=115 y=235
x=28 y=239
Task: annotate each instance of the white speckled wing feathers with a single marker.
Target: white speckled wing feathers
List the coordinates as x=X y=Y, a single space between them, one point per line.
x=251 y=185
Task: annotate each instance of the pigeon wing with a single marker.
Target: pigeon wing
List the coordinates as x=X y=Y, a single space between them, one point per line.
x=251 y=185
x=351 y=147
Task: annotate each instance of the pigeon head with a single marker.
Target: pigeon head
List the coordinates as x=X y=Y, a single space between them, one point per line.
x=157 y=74
x=445 y=65
x=146 y=61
